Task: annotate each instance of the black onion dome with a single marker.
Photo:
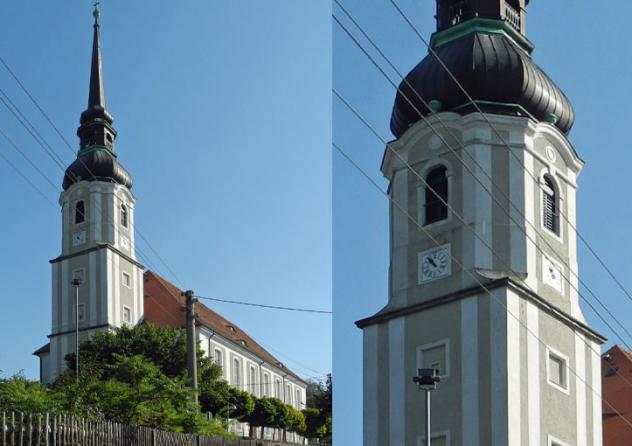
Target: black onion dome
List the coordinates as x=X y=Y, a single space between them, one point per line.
x=96 y=165
x=494 y=70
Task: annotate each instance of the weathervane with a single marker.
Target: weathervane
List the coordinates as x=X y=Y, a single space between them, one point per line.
x=96 y=13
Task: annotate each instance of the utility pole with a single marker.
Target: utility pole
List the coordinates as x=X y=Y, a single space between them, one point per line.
x=76 y=282
x=191 y=340
x=427 y=380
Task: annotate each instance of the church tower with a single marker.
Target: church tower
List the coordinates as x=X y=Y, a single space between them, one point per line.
x=98 y=244
x=483 y=269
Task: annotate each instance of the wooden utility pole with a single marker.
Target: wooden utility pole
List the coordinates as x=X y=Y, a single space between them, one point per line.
x=191 y=340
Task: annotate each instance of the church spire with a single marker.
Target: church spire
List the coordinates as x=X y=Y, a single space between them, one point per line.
x=97 y=93
x=96 y=160
x=96 y=122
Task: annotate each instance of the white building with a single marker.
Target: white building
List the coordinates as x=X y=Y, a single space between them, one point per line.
x=98 y=248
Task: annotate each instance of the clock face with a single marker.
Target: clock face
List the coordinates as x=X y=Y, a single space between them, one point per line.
x=434 y=263
x=551 y=274
x=78 y=238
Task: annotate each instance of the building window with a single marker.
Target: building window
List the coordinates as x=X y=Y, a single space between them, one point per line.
x=79 y=274
x=236 y=373
x=435 y=356
x=288 y=394
x=127 y=279
x=550 y=206
x=299 y=399
x=253 y=380
x=557 y=370
x=124 y=216
x=436 y=195
x=127 y=314
x=82 y=313
x=217 y=356
x=266 y=384
x=277 y=388
x=80 y=212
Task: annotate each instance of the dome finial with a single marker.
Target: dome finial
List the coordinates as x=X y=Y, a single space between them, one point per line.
x=96 y=13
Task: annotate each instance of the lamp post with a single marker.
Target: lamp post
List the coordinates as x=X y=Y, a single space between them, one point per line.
x=427 y=380
x=76 y=282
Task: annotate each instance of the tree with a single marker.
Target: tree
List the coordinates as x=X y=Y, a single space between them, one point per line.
x=319 y=396
x=315 y=424
x=138 y=376
x=22 y=395
x=263 y=415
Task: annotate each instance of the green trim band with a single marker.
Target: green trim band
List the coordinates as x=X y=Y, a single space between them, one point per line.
x=93 y=148
x=480 y=25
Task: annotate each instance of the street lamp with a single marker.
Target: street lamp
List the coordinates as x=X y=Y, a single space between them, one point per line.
x=427 y=380
x=76 y=282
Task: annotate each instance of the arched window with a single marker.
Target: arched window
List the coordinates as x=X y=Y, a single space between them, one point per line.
x=550 y=205
x=277 y=388
x=124 y=216
x=80 y=212
x=218 y=357
x=236 y=373
x=266 y=384
x=436 y=195
x=298 y=401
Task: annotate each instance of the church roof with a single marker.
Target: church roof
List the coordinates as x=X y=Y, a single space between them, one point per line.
x=491 y=59
x=616 y=368
x=165 y=305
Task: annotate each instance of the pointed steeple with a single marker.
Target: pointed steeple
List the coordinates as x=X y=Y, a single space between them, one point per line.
x=97 y=93
x=96 y=160
x=96 y=96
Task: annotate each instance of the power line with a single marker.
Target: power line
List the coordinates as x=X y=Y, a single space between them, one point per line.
x=34 y=132
x=37 y=189
x=498 y=134
x=273 y=307
x=518 y=225
x=460 y=265
x=468 y=227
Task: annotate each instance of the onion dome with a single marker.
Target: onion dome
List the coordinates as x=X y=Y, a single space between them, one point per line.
x=482 y=44
x=96 y=160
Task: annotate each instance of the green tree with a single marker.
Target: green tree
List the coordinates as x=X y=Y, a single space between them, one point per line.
x=138 y=376
x=22 y=395
x=263 y=415
x=315 y=424
x=319 y=396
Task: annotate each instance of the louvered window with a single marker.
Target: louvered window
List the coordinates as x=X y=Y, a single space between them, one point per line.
x=550 y=212
x=436 y=195
x=80 y=212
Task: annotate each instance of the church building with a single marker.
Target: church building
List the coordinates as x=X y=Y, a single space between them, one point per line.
x=483 y=282
x=98 y=280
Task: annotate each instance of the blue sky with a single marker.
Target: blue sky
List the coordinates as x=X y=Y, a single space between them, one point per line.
x=584 y=51
x=223 y=110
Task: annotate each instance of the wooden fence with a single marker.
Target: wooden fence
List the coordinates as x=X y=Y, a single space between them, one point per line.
x=63 y=430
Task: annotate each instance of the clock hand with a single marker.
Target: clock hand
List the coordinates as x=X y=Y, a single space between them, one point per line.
x=432 y=262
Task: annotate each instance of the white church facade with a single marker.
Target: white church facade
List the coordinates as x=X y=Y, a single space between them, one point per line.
x=483 y=277
x=98 y=248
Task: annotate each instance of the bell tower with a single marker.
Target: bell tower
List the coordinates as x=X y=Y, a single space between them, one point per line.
x=98 y=243
x=483 y=283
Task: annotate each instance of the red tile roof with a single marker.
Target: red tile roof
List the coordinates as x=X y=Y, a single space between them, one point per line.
x=616 y=390
x=165 y=306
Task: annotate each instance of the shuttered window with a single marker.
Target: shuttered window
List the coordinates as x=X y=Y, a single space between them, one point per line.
x=80 y=212
x=550 y=212
x=436 y=195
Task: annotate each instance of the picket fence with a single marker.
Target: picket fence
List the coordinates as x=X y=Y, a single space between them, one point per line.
x=63 y=430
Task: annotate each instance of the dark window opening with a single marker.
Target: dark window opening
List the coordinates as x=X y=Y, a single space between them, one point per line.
x=436 y=195
x=124 y=216
x=80 y=212
x=550 y=213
